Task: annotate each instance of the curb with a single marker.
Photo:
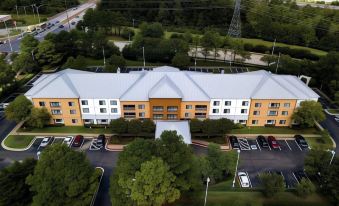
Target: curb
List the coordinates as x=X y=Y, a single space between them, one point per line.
x=14 y=149
x=97 y=190
x=114 y=150
x=329 y=113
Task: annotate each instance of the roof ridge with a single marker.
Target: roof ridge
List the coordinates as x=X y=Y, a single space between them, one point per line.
x=196 y=84
x=163 y=81
x=260 y=84
x=291 y=92
x=69 y=82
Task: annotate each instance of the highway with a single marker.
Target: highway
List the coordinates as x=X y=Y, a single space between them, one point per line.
x=74 y=15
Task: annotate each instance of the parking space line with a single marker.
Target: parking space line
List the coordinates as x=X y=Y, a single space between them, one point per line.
x=298 y=145
x=258 y=144
x=295 y=177
x=288 y=145
x=249 y=179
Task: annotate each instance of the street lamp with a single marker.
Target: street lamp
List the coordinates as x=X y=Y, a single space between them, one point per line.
x=236 y=167
x=207 y=181
x=333 y=154
x=143 y=54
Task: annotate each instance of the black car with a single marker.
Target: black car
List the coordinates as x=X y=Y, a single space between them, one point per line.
x=61 y=26
x=101 y=140
x=301 y=141
x=73 y=23
x=262 y=141
x=234 y=142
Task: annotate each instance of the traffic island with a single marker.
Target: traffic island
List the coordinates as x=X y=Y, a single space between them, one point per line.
x=18 y=142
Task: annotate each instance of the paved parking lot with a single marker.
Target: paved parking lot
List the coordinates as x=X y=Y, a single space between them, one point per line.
x=286 y=160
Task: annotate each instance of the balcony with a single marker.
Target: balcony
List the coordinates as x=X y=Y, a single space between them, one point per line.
x=129 y=115
x=201 y=108
x=129 y=107
x=158 y=109
x=172 y=109
x=200 y=115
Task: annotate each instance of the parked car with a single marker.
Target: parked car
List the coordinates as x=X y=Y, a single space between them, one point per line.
x=273 y=142
x=73 y=22
x=1 y=42
x=253 y=147
x=336 y=119
x=78 y=140
x=61 y=26
x=301 y=141
x=57 y=22
x=262 y=141
x=101 y=140
x=68 y=140
x=234 y=142
x=45 y=141
x=244 y=180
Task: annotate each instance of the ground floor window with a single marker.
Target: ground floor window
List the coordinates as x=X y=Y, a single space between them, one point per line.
x=282 y=122
x=241 y=121
x=74 y=121
x=89 y=121
x=58 y=121
x=270 y=121
x=102 y=121
x=255 y=121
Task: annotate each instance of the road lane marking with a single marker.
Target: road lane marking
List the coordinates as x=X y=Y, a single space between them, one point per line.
x=295 y=177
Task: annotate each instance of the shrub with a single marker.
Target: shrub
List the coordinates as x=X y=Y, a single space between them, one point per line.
x=305 y=188
x=127 y=33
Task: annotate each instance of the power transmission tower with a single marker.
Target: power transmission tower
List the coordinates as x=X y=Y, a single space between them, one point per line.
x=235 y=27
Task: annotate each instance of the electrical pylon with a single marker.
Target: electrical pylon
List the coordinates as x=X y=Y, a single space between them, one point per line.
x=235 y=27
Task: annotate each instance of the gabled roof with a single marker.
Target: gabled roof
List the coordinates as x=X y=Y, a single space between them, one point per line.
x=165 y=88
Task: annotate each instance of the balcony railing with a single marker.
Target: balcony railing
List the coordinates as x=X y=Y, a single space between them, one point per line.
x=129 y=108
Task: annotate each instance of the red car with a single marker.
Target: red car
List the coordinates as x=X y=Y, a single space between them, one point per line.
x=273 y=142
x=78 y=140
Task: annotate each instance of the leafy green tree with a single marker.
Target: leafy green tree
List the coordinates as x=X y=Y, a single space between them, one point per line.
x=19 y=109
x=210 y=127
x=63 y=176
x=308 y=112
x=148 y=126
x=317 y=161
x=6 y=74
x=24 y=63
x=196 y=125
x=224 y=125
x=271 y=183
x=115 y=62
x=181 y=60
x=76 y=63
x=119 y=126
x=328 y=69
x=160 y=183
x=46 y=54
x=134 y=126
x=211 y=40
x=217 y=161
x=39 y=118
x=153 y=30
x=329 y=182
x=28 y=44
x=13 y=188
x=305 y=188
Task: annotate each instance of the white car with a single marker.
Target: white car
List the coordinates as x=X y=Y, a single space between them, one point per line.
x=244 y=180
x=68 y=140
x=336 y=119
x=254 y=147
x=45 y=141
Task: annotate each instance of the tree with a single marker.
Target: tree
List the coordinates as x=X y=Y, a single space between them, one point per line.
x=13 y=188
x=181 y=60
x=63 y=176
x=211 y=39
x=39 y=118
x=224 y=125
x=272 y=183
x=160 y=184
x=24 y=63
x=210 y=127
x=46 y=54
x=76 y=63
x=153 y=30
x=28 y=43
x=195 y=125
x=134 y=126
x=308 y=112
x=119 y=126
x=317 y=161
x=217 y=161
x=115 y=62
x=6 y=74
x=148 y=126
x=19 y=109
x=305 y=188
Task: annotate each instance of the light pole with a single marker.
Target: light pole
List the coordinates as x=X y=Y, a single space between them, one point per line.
x=103 y=53
x=276 y=69
x=37 y=11
x=9 y=40
x=143 y=54
x=236 y=168
x=333 y=154
x=69 y=25
x=207 y=181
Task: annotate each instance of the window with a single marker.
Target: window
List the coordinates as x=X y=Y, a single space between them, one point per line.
x=257 y=105
x=215 y=111
x=227 y=111
x=114 y=110
x=282 y=122
x=216 y=103
x=270 y=121
x=102 y=121
x=85 y=110
x=72 y=111
x=113 y=102
x=241 y=121
x=141 y=114
x=172 y=116
x=56 y=111
x=58 y=121
x=41 y=104
x=243 y=111
x=274 y=105
x=272 y=113
x=255 y=121
x=102 y=102
x=74 y=121
x=89 y=121
x=71 y=104
x=55 y=104
x=172 y=108
x=158 y=116
x=187 y=115
x=84 y=102
x=284 y=113
x=189 y=107
x=228 y=103
x=244 y=103
x=201 y=107
x=287 y=105
x=158 y=108
x=103 y=110
x=256 y=112
x=141 y=106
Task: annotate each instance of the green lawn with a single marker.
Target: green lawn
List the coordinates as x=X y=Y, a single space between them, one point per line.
x=18 y=141
x=25 y=20
x=217 y=140
x=322 y=143
x=273 y=130
x=67 y=129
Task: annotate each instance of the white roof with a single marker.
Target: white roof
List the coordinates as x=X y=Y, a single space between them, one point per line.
x=169 y=82
x=182 y=128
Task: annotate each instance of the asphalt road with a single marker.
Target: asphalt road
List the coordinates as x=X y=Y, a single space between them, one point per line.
x=81 y=9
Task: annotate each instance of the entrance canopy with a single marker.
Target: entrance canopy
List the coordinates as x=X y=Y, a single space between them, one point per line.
x=182 y=128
